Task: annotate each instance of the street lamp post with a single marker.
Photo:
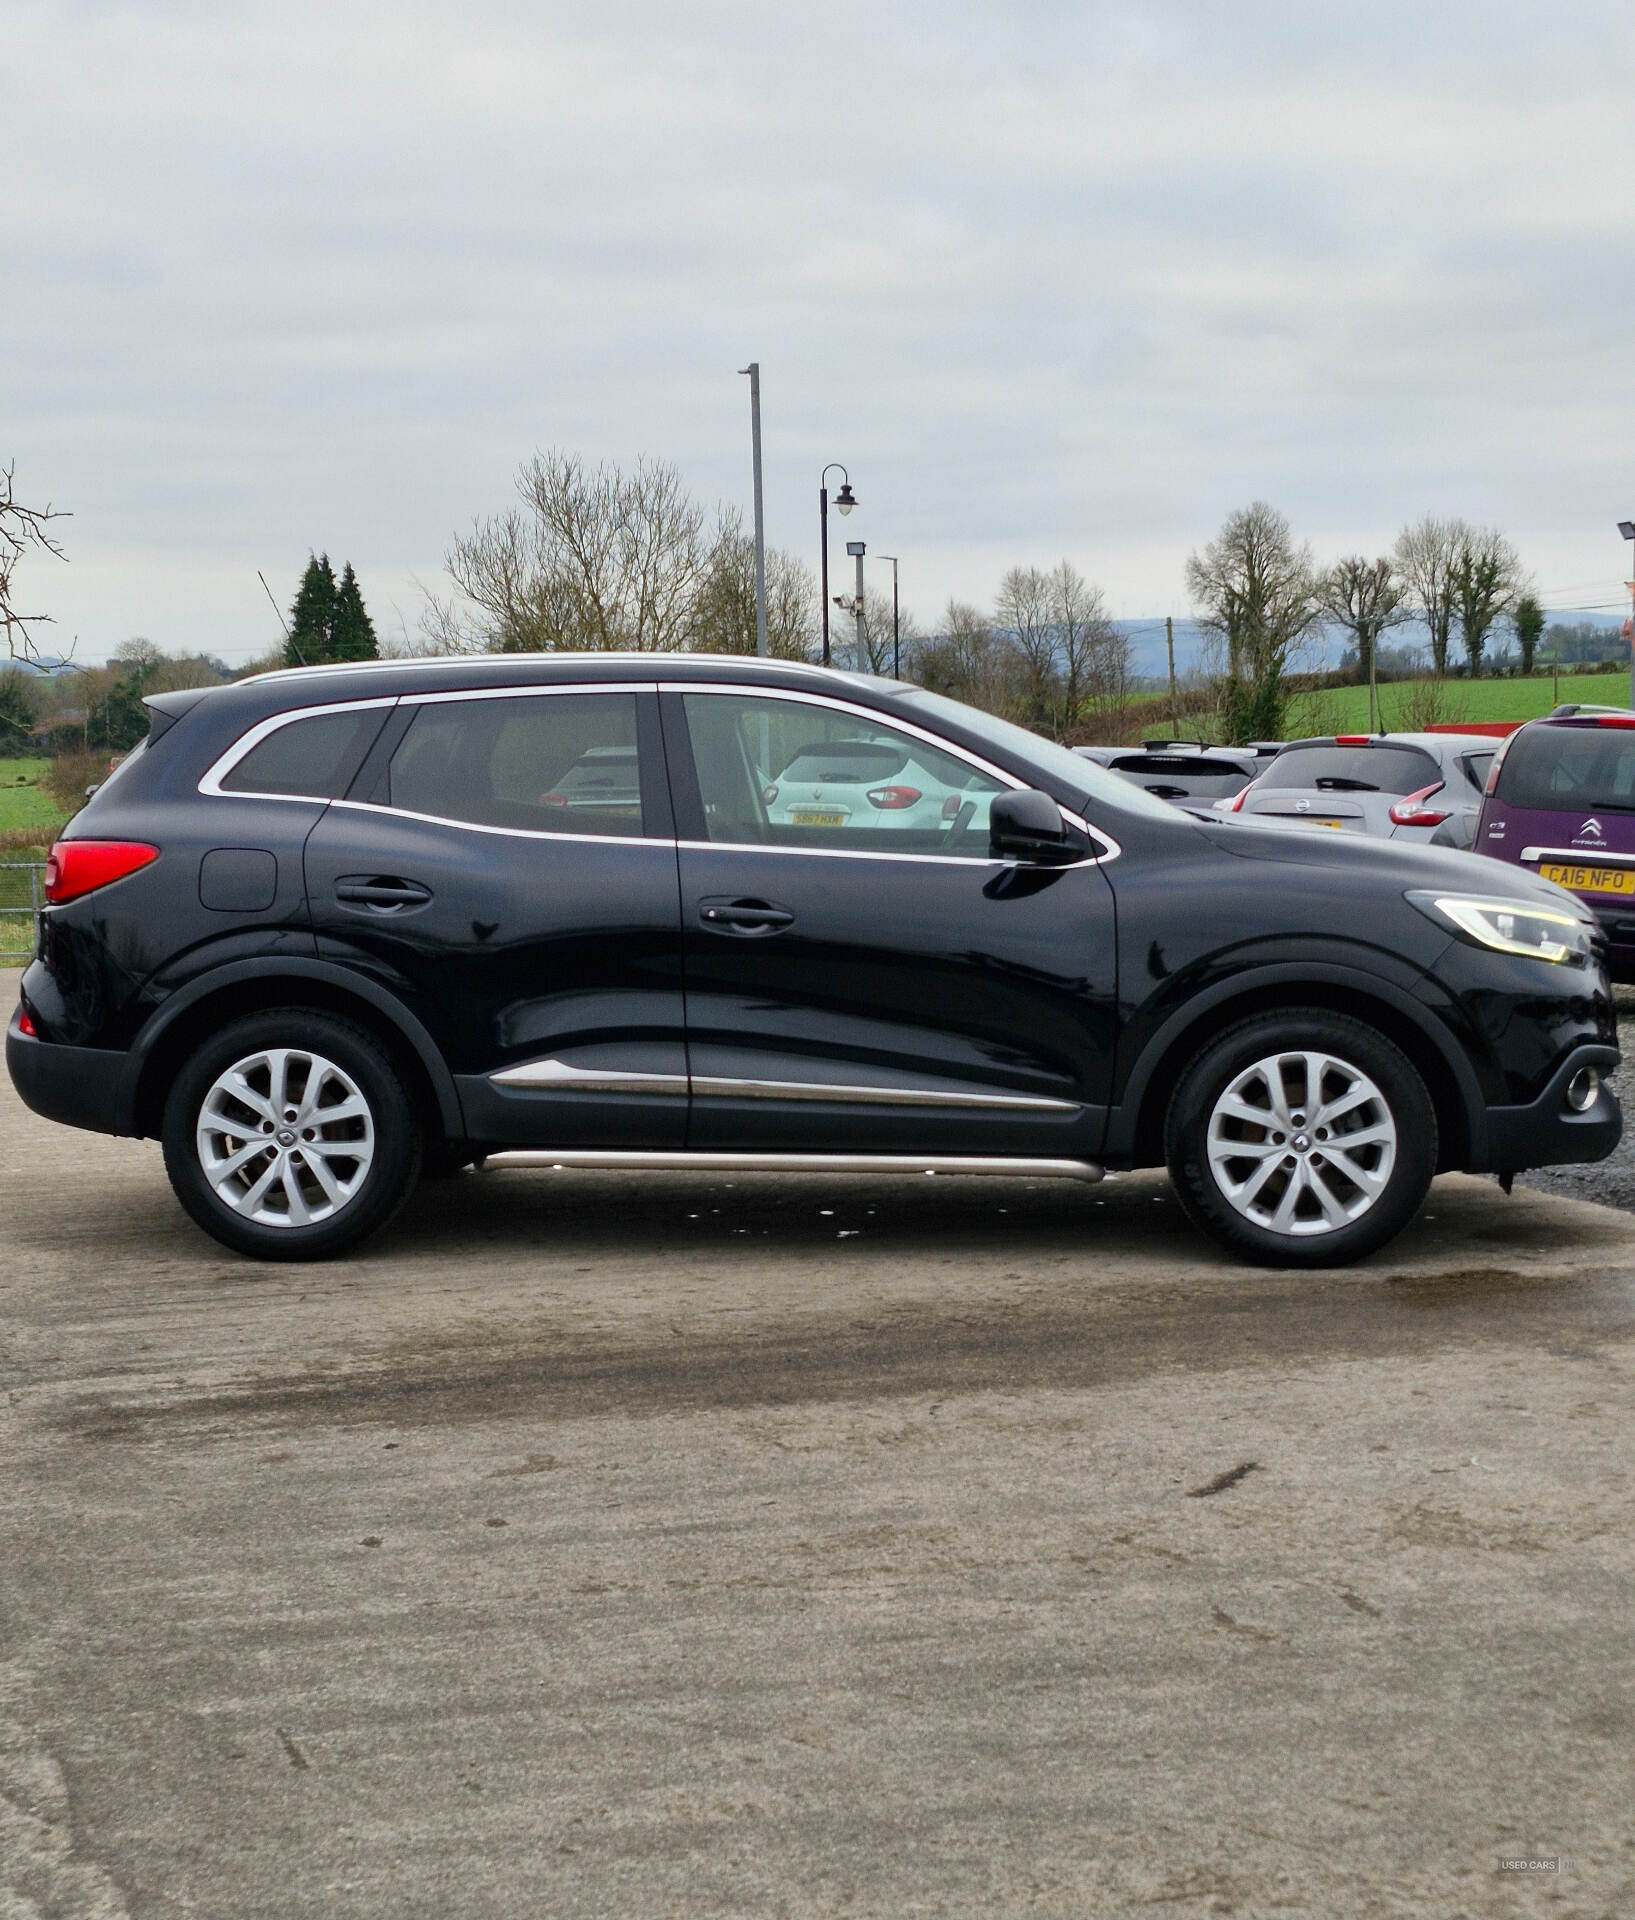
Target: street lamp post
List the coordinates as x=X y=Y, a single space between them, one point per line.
x=1627 y=529
x=754 y=372
x=896 y=622
x=845 y=500
x=856 y=549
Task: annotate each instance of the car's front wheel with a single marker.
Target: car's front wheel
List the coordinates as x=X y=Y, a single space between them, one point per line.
x=1301 y=1139
x=289 y=1135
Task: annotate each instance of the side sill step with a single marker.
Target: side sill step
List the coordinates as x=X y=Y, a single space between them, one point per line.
x=1002 y=1166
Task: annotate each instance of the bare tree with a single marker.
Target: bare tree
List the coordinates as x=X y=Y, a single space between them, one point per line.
x=1093 y=653
x=722 y=618
x=595 y=559
x=1023 y=609
x=877 y=645
x=968 y=661
x=1257 y=590
x=20 y=529
x=1366 y=598
x=1425 y=556
x=1487 y=579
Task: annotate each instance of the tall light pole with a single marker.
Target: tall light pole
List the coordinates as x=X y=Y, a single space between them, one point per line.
x=754 y=372
x=857 y=548
x=1627 y=529
x=896 y=621
x=845 y=500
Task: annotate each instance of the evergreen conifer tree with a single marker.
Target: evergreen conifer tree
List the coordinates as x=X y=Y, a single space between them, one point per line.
x=312 y=618
x=352 y=632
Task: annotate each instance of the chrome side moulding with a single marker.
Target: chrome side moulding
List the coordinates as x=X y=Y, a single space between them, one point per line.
x=557 y=1076
x=577 y=1159
x=728 y=1089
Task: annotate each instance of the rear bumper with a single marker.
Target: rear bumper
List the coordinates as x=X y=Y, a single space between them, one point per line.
x=77 y=1086
x=1546 y=1132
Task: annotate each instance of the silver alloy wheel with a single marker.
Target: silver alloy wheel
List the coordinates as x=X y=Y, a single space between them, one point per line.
x=1302 y=1143
x=285 y=1137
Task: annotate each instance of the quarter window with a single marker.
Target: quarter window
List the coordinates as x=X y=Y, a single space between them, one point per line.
x=790 y=773
x=550 y=763
x=310 y=759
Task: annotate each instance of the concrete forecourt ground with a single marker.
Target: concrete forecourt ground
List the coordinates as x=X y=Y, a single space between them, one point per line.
x=595 y=1545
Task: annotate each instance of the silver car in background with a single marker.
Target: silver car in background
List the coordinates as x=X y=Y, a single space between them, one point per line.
x=1396 y=786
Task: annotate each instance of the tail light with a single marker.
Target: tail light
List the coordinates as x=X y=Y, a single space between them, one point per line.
x=1412 y=811
x=25 y=1026
x=1351 y=740
x=893 y=799
x=1615 y=720
x=74 y=867
x=1243 y=794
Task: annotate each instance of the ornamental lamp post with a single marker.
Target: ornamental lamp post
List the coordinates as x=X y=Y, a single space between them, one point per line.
x=845 y=500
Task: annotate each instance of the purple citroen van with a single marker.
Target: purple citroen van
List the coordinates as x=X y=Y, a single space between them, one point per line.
x=1560 y=801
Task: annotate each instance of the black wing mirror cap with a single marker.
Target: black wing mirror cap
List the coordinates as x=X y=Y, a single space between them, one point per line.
x=1028 y=825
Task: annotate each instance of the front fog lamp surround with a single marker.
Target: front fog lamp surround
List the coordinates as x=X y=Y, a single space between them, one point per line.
x=1582 y=1089
x=1536 y=933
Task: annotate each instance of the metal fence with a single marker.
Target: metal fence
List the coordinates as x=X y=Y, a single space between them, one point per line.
x=19 y=924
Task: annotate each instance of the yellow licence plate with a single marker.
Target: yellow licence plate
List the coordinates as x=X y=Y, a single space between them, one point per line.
x=1590 y=879
x=804 y=818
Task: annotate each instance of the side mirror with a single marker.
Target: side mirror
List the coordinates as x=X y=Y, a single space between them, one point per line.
x=1028 y=826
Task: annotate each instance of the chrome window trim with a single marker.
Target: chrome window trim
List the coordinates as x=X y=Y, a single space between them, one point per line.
x=210 y=783
x=213 y=775
x=854 y=708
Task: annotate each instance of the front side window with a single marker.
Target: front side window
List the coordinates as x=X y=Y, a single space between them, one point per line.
x=548 y=763
x=791 y=773
x=311 y=758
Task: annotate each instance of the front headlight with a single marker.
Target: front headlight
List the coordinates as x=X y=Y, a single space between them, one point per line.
x=1536 y=933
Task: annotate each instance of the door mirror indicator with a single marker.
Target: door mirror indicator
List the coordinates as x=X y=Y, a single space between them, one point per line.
x=1028 y=826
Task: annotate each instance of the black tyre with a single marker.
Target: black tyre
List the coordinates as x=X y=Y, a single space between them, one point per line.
x=291 y=1136
x=1301 y=1139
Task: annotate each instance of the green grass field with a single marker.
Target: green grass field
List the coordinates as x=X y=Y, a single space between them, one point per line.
x=24 y=803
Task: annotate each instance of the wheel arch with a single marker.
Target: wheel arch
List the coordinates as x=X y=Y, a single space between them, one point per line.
x=254 y=986
x=1136 y=1125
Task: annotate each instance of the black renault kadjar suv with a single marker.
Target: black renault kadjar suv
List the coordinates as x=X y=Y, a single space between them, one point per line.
x=329 y=927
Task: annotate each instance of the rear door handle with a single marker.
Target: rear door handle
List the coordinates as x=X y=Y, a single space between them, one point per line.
x=380 y=893
x=723 y=915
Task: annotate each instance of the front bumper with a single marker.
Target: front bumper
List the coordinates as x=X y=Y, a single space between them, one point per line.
x=1546 y=1132
x=77 y=1086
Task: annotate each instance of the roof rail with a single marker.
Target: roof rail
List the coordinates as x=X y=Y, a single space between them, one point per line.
x=1570 y=707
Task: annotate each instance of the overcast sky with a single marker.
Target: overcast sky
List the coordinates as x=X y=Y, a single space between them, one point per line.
x=1051 y=279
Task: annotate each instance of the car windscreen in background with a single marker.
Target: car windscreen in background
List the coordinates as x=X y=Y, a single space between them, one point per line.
x=1191 y=778
x=1570 y=769
x=1352 y=769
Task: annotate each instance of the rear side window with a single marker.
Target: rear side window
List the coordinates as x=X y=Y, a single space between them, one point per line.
x=311 y=759
x=1352 y=769
x=550 y=763
x=1570 y=770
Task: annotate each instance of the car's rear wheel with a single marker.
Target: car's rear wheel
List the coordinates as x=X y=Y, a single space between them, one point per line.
x=1301 y=1139
x=291 y=1136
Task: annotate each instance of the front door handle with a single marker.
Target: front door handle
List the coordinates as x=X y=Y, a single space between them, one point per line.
x=723 y=915
x=380 y=893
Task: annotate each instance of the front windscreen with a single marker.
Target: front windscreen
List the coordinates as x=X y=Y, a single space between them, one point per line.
x=1351 y=770
x=1011 y=742
x=1571 y=770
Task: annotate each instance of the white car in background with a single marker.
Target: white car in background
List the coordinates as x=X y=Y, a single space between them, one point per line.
x=858 y=784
